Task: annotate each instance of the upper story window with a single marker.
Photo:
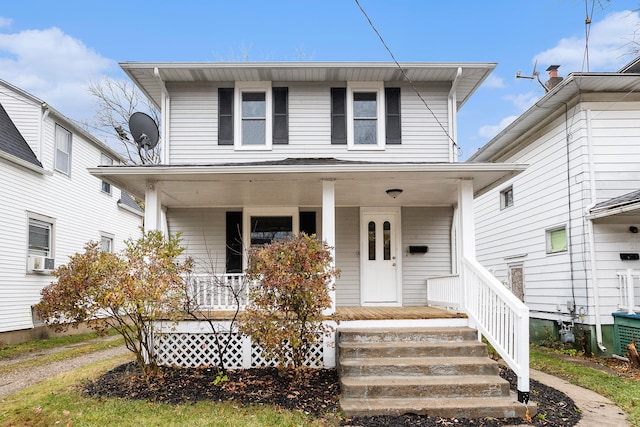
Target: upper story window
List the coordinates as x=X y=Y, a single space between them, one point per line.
x=63 y=150
x=106 y=160
x=253 y=116
x=365 y=116
x=506 y=198
x=254 y=122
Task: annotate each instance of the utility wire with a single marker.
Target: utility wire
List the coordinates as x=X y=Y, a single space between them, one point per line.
x=404 y=74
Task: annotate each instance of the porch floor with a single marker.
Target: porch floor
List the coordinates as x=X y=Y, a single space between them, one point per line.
x=396 y=313
x=366 y=313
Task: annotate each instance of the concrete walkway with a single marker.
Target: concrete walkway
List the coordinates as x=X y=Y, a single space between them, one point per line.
x=597 y=411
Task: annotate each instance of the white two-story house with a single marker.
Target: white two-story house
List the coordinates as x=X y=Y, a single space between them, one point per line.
x=361 y=154
x=563 y=235
x=51 y=205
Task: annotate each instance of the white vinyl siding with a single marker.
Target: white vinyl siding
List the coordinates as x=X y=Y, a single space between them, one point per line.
x=203 y=235
x=348 y=256
x=78 y=220
x=428 y=226
x=542 y=204
x=193 y=126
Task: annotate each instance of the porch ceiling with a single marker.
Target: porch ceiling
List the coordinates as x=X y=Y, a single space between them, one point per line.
x=301 y=185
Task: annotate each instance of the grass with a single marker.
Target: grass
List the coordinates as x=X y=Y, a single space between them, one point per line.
x=60 y=355
x=621 y=391
x=7 y=351
x=59 y=401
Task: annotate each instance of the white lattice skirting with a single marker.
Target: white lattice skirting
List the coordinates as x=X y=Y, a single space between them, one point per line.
x=191 y=344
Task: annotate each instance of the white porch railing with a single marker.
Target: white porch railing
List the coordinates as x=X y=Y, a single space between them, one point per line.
x=497 y=314
x=218 y=291
x=444 y=291
x=629 y=291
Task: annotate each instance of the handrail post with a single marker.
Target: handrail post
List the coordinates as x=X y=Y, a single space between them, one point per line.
x=630 y=292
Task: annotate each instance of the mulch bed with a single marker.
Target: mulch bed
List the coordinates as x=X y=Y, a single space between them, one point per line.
x=317 y=394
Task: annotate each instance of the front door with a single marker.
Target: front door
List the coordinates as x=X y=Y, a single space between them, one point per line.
x=380 y=282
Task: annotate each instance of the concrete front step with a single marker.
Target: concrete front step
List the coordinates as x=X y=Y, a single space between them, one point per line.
x=417 y=366
x=469 y=407
x=443 y=386
x=407 y=334
x=411 y=349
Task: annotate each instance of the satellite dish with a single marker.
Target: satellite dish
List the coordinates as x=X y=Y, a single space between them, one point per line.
x=144 y=130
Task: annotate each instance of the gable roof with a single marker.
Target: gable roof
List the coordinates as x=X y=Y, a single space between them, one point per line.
x=12 y=142
x=68 y=123
x=151 y=77
x=542 y=112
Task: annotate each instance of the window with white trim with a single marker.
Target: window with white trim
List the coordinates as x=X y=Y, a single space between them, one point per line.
x=106 y=242
x=63 y=150
x=41 y=234
x=108 y=161
x=556 y=240
x=253 y=116
x=506 y=198
x=365 y=116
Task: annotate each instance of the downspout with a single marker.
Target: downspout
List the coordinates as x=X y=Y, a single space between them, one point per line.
x=44 y=115
x=453 y=122
x=591 y=236
x=165 y=110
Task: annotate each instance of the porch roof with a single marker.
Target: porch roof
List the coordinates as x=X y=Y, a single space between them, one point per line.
x=298 y=182
x=625 y=203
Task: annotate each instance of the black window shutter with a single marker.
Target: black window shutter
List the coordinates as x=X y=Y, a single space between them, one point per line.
x=308 y=223
x=280 y=115
x=393 y=125
x=225 y=116
x=338 y=115
x=234 y=242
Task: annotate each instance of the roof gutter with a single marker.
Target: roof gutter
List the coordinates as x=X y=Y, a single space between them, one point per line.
x=453 y=122
x=24 y=163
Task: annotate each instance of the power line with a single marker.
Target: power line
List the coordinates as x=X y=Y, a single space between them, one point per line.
x=404 y=74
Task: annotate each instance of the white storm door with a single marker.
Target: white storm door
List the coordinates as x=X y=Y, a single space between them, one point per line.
x=380 y=281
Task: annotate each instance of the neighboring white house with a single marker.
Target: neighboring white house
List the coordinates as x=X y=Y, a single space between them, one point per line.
x=563 y=234
x=361 y=154
x=51 y=205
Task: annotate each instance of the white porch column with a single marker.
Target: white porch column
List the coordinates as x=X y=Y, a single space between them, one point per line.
x=467 y=228
x=152 y=208
x=329 y=228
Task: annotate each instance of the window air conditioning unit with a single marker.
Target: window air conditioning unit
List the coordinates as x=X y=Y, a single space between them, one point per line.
x=40 y=264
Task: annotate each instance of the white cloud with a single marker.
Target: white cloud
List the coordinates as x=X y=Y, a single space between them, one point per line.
x=493 y=82
x=523 y=101
x=608 y=46
x=5 y=22
x=489 y=131
x=54 y=67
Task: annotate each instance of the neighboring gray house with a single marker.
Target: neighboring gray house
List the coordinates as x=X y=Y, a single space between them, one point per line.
x=51 y=205
x=364 y=158
x=563 y=235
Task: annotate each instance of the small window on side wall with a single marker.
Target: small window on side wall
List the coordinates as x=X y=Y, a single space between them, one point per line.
x=107 y=161
x=106 y=242
x=556 y=240
x=63 y=150
x=506 y=198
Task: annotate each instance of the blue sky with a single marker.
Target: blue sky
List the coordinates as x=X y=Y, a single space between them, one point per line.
x=54 y=49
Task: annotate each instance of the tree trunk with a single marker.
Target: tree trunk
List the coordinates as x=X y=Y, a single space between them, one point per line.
x=634 y=358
